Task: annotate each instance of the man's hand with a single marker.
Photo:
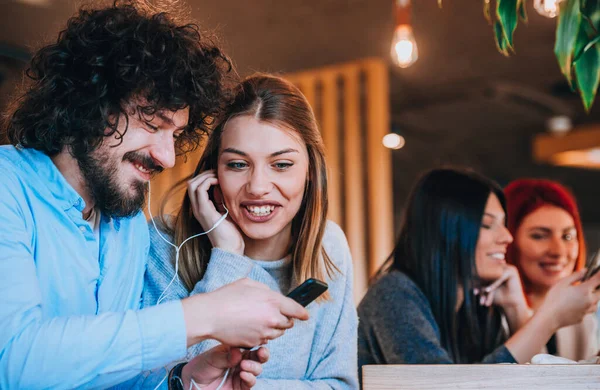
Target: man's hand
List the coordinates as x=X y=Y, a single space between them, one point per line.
x=207 y=369
x=244 y=313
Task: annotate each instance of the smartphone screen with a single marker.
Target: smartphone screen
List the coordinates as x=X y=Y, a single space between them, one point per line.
x=308 y=291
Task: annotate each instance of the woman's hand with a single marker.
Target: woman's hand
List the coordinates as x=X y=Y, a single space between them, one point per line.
x=506 y=292
x=207 y=369
x=567 y=302
x=227 y=235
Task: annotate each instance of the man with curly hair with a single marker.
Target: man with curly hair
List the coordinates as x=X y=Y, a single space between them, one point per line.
x=122 y=91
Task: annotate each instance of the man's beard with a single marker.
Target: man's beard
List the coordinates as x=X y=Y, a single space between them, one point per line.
x=100 y=173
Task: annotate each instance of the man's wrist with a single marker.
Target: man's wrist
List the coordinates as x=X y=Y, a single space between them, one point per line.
x=198 y=318
x=175 y=381
x=186 y=376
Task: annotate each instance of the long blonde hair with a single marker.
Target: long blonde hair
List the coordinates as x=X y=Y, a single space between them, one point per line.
x=274 y=100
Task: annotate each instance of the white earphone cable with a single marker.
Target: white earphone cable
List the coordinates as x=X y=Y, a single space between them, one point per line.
x=176 y=276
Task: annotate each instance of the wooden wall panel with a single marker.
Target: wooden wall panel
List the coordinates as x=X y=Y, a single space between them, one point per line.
x=381 y=210
x=354 y=178
x=354 y=97
x=329 y=127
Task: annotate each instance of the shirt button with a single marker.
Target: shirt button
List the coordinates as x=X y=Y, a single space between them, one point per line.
x=82 y=229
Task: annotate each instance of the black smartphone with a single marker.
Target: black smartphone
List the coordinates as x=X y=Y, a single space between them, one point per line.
x=308 y=291
x=593 y=266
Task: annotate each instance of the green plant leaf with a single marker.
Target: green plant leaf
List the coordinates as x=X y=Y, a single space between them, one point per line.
x=579 y=50
x=587 y=72
x=501 y=43
x=507 y=14
x=591 y=43
x=569 y=21
x=588 y=34
x=523 y=10
x=590 y=10
x=587 y=53
x=582 y=40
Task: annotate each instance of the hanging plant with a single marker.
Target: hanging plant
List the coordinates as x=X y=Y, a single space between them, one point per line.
x=577 y=45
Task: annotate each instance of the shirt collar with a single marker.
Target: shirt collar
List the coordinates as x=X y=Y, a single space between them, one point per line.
x=42 y=166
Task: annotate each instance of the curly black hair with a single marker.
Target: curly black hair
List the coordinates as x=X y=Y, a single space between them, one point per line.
x=107 y=58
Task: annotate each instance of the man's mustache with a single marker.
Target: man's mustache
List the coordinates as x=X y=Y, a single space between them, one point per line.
x=144 y=160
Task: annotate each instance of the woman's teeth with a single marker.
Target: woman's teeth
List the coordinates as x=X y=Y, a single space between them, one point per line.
x=260 y=211
x=552 y=267
x=497 y=256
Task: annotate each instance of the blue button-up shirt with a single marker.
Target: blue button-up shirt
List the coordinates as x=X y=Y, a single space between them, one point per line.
x=69 y=314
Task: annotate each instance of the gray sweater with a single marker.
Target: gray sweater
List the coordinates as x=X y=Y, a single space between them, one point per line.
x=397 y=327
x=316 y=354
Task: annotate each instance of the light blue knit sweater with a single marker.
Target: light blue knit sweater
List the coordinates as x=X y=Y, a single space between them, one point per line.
x=317 y=354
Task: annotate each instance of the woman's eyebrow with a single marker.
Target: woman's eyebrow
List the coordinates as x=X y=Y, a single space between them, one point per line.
x=274 y=154
x=284 y=151
x=234 y=151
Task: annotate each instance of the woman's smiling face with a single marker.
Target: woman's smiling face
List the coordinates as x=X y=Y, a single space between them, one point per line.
x=547 y=246
x=262 y=171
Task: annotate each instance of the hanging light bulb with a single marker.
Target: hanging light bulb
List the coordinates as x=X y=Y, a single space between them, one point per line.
x=547 y=8
x=404 y=50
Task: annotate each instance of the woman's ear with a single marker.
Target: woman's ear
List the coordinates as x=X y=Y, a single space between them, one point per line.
x=218 y=195
x=218 y=199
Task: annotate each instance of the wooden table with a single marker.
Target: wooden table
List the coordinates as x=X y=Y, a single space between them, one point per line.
x=481 y=376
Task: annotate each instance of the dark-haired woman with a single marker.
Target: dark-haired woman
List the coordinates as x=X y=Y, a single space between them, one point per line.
x=443 y=293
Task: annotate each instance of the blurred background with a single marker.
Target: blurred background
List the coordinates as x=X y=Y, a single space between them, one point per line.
x=461 y=102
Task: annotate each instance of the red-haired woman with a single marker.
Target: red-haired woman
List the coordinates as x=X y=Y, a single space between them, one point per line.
x=548 y=245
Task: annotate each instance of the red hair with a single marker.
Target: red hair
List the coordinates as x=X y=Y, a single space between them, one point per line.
x=524 y=196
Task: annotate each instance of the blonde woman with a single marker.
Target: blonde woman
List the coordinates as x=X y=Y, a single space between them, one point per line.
x=265 y=164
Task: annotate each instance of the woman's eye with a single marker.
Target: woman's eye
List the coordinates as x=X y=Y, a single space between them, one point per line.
x=569 y=237
x=537 y=236
x=486 y=226
x=282 y=166
x=237 y=165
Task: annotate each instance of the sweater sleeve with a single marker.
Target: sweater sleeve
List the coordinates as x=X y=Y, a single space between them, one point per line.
x=225 y=268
